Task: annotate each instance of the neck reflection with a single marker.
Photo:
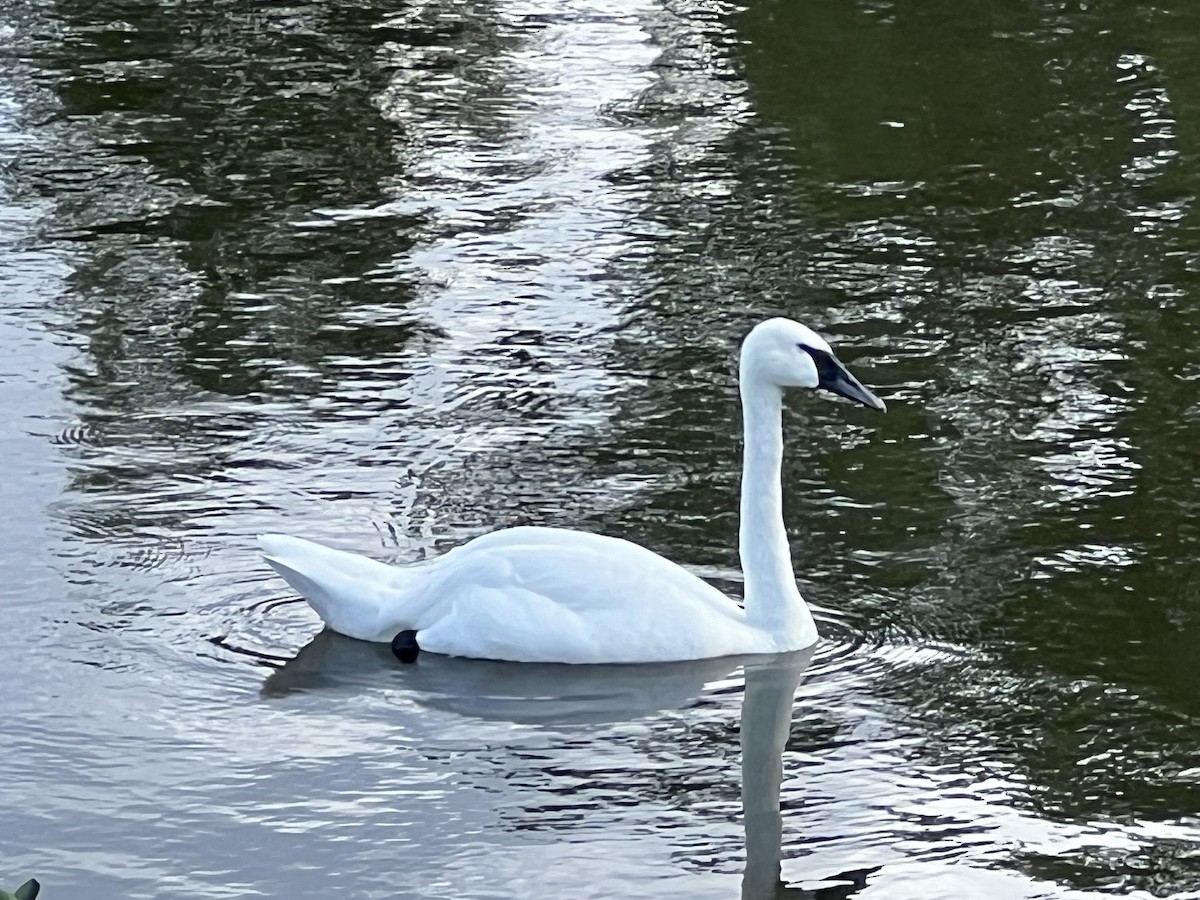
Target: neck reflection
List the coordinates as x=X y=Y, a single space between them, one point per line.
x=766 y=722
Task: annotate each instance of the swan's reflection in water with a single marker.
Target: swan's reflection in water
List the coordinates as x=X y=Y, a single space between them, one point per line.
x=522 y=693
x=766 y=723
x=563 y=695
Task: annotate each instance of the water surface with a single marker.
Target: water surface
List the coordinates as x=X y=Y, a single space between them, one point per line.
x=392 y=277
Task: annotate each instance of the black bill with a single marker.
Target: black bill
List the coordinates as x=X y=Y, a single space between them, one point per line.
x=833 y=377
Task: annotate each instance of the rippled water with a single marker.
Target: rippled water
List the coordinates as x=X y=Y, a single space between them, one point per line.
x=392 y=277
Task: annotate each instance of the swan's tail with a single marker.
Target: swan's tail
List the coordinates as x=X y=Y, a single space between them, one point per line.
x=350 y=593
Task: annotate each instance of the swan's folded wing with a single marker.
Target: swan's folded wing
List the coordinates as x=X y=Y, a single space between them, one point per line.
x=541 y=595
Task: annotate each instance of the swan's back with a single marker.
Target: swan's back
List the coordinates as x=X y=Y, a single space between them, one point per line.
x=550 y=595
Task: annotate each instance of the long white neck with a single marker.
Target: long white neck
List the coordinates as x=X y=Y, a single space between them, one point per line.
x=773 y=602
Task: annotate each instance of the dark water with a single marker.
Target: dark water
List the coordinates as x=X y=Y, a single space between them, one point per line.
x=390 y=276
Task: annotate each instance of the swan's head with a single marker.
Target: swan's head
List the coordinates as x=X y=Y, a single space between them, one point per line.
x=784 y=353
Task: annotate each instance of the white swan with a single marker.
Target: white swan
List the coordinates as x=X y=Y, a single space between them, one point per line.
x=535 y=594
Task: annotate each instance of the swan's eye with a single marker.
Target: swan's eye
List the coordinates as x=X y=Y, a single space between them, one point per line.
x=827 y=367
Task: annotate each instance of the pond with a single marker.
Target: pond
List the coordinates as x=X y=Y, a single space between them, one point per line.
x=391 y=276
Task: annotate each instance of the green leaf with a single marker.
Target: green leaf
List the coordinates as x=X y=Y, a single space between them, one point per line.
x=28 y=890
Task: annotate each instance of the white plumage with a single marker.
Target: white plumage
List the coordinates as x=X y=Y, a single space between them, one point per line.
x=554 y=595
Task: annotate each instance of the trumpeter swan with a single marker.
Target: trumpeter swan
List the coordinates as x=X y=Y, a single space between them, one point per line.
x=533 y=594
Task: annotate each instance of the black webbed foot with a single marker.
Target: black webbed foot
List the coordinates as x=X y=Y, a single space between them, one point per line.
x=405 y=646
